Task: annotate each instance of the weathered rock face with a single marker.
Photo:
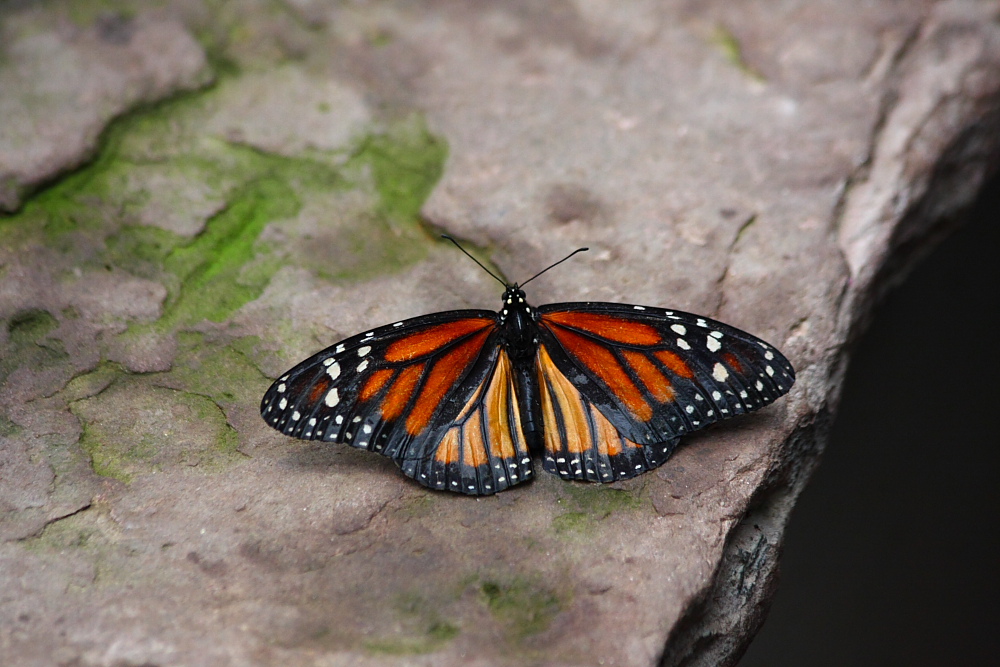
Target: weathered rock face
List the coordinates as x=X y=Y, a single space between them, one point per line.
x=768 y=164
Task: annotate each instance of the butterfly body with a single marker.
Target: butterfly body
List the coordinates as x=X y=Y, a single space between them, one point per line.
x=463 y=400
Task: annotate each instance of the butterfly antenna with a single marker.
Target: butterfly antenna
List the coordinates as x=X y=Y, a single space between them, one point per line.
x=457 y=245
x=554 y=265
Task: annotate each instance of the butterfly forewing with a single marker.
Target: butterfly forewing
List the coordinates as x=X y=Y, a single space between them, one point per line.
x=656 y=374
x=394 y=390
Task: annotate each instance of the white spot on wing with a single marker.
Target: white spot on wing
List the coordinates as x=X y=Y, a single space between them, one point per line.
x=282 y=404
x=720 y=373
x=362 y=351
x=638 y=308
x=363 y=365
x=683 y=344
x=332 y=398
x=678 y=329
x=281 y=388
x=712 y=344
x=333 y=371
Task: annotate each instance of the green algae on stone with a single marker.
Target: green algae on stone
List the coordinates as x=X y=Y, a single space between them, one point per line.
x=123 y=198
x=730 y=46
x=222 y=372
x=523 y=606
x=573 y=522
x=406 y=163
x=421 y=628
x=134 y=427
x=29 y=344
x=217 y=271
x=593 y=503
x=92 y=383
x=600 y=500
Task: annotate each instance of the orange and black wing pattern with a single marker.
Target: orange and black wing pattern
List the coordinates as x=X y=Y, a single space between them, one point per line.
x=434 y=393
x=619 y=384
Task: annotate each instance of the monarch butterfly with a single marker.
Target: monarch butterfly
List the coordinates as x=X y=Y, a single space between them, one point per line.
x=462 y=399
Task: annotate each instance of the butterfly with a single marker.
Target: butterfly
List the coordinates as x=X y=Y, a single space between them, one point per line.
x=463 y=399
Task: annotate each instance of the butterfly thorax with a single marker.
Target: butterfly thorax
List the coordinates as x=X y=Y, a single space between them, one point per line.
x=517 y=324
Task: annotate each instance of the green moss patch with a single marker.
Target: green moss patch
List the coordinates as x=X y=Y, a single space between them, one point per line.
x=221 y=372
x=730 y=46
x=422 y=628
x=211 y=219
x=406 y=161
x=592 y=503
x=92 y=383
x=134 y=428
x=524 y=607
x=29 y=343
x=168 y=203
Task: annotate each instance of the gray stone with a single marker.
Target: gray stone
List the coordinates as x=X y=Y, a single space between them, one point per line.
x=63 y=82
x=774 y=165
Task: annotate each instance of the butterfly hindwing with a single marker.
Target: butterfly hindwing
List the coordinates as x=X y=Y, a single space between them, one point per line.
x=580 y=441
x=484 y=450
x=650 y=374
x=433 y=393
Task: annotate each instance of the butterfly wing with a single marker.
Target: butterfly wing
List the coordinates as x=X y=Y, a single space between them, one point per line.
x=620 y=383
x=434 y=393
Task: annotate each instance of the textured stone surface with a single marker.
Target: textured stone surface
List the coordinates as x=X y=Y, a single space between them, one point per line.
x=64 y=79
x=770 y=164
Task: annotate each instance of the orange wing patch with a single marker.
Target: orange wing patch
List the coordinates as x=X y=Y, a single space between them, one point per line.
x=602 y=362
x=675 y=363
x=443 y=375
x=608 y=441
x=402 y=390
x=474 y=447
x=374 y=384
x=319 y=389
x=501 y=431
x=448 y=449
x=557 y=390
x=433 y=338
x=606 y=326
x=655 y=381
x=733 y=362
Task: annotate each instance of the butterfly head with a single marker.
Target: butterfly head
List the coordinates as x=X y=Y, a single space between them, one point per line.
x=514 y=302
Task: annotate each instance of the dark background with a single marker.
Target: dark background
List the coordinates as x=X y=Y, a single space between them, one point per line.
x=892 y=555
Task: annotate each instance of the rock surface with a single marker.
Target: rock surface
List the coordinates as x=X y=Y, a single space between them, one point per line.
x=199 y=195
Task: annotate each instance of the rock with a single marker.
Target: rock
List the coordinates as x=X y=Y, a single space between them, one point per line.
x=771 y=166
x=62 y=83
